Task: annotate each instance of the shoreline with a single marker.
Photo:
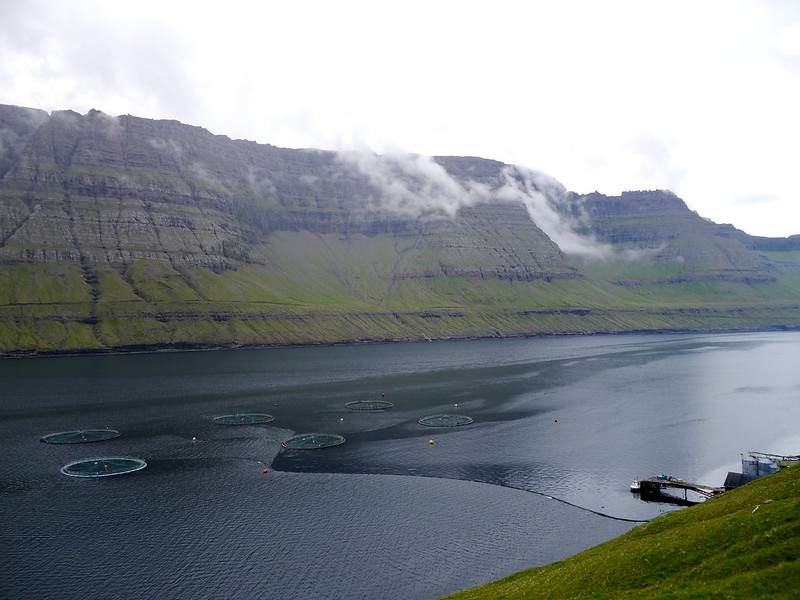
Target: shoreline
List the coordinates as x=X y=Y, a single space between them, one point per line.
x=185 y=347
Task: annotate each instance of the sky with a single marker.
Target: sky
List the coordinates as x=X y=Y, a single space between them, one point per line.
x=700 y=97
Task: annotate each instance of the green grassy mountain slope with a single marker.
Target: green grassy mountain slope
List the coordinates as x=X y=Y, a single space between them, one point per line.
x=124 y=233
x=741 y=544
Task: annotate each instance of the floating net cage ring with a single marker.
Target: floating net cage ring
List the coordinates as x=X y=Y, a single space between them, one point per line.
x=80 y=437
x=244 y=419
x=369 y=405
x=305 y=441
x=103 y=466
x=445 y=420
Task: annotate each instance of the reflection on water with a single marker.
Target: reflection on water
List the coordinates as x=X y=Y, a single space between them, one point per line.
x=559 y=423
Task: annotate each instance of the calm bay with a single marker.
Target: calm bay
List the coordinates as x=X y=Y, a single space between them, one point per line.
x=560 y=427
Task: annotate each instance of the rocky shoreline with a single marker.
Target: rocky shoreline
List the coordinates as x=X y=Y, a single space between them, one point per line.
x=185 y=347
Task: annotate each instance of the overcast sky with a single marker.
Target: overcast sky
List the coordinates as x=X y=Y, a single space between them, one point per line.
x=700 y=97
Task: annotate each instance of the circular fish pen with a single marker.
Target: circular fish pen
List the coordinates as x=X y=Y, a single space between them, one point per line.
x=103 y=467
x=306 y=441
x=244 y=419
x=81 y=436
x=369 y=405
x=445 y=420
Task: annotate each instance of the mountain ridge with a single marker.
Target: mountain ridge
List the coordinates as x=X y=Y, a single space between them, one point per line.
x=122 y=232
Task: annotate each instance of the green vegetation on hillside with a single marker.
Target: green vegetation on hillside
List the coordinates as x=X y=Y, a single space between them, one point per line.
x=132 y=234
x=743 y=544
x=303 y=295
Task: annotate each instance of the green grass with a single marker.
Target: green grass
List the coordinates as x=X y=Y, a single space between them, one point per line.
x=112 y=287
x=744 y=544
x=42 y=283
x=309 y=288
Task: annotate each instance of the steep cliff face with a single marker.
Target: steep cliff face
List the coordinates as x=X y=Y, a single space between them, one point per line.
x=680 y=246
x=120 y=232
x=17 y=124
x=96 y=189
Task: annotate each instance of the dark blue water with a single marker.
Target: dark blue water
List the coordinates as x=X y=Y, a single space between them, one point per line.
x=561 y=426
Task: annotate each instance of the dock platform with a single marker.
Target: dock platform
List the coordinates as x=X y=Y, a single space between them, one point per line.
x=652 y=486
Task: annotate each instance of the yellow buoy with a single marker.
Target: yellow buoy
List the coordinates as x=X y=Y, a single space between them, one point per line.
x=430 y=442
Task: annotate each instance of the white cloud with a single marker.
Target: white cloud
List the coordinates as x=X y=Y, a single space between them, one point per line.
x=543 y=196
x=414 y=186
x=697 y=97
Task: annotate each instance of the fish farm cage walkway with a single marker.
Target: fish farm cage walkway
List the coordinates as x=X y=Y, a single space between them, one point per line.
x=80 y=436
x=244 y=419
x=306 y=441
x=369 y=405
x=445 y=420
x=103 y=466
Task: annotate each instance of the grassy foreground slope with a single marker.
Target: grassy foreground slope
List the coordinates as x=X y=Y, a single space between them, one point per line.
x=743 y=544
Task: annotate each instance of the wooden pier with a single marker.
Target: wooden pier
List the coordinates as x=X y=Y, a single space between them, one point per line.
x=653 y=486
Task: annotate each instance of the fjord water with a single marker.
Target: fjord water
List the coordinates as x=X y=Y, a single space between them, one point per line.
x=561 y=426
